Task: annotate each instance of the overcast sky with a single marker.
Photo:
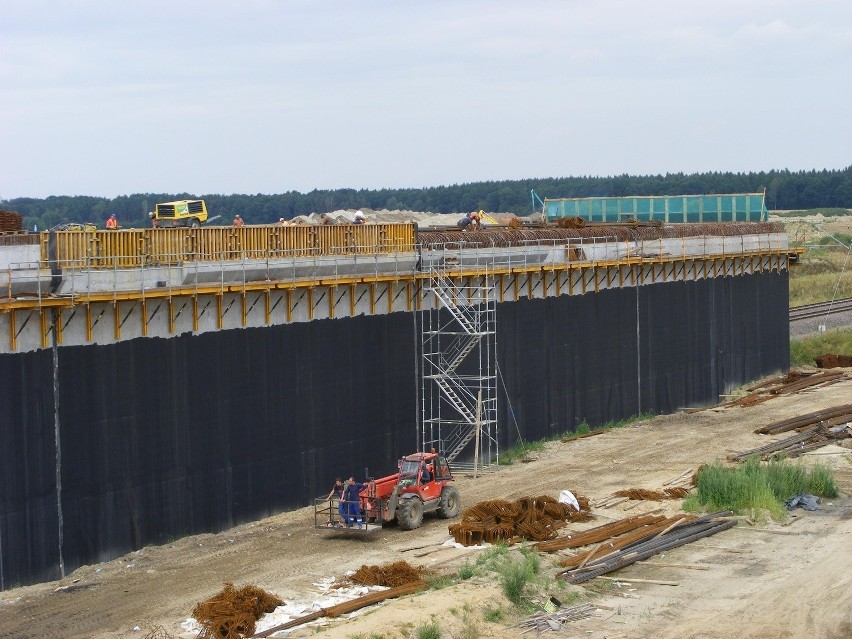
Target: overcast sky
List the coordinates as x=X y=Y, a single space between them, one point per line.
x=264 y=96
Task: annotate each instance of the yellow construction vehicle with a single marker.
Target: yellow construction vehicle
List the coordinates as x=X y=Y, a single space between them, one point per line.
x=179 y=213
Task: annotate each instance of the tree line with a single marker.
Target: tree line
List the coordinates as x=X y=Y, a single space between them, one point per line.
x=784 y=190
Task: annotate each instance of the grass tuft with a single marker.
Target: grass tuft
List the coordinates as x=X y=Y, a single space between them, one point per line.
x=758 y=487
x=429 y=630
x=466 y=572
x=821 y=481
x=493 y=614
x=439 y=582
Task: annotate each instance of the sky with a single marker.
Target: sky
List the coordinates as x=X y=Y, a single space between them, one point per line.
x=110 y=98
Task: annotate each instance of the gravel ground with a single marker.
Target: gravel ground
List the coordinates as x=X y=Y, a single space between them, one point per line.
x=810 y=326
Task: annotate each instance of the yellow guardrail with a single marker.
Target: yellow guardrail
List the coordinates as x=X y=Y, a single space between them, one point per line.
x=77 y=249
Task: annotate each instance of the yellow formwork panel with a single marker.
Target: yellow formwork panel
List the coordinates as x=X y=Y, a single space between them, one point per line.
x=76 y=249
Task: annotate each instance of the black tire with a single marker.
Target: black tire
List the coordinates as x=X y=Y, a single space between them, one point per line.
x=194 y=223
x=409 y=513
x=450 y=503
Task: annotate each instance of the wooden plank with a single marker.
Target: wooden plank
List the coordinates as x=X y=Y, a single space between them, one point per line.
x=640 y=581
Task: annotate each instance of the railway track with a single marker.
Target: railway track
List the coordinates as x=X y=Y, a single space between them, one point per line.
x=818 y=310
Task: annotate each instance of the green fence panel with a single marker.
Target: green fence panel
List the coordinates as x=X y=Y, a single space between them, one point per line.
x=729 y=207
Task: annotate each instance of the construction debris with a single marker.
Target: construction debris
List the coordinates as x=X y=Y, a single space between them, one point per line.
x=675 y=492
x=396 y=574
x=687 y=529
x=232 y=613
x=591 y=433
x=609 y=546
x=799 y=444
x=347 y=607
x=532 y=518
x=834 y=416
x=833 y=361
x=542 y=621
x=792 y=382
x=601 y=533
x=11 y=222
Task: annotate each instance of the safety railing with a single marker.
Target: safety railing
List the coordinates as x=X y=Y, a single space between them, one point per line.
x=80 y=249
x=166 y=271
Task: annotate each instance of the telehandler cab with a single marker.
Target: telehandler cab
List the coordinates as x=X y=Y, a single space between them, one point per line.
x=422 y=485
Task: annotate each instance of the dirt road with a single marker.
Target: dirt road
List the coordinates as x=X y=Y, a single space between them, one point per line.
x=762 y=581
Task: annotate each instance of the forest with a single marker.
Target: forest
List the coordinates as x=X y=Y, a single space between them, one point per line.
x=785 y=190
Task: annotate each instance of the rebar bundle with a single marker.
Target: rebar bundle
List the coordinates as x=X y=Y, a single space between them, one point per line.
x=391 y=575
x=841 y=413
x=649 y=545
x=533 y=518
x=232 y=613
x=675 y=492
x=609 y=546
x=595 y=535
x=793 y=382
x=615 y=232
x=798 y=444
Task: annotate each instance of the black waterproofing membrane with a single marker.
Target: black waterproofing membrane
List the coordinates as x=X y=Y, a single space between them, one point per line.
x=162 y=438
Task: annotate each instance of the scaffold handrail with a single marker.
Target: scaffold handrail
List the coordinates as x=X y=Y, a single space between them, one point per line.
x=75 y=249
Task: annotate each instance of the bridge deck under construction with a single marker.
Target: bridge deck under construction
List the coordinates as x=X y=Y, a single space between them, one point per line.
x=349 y=271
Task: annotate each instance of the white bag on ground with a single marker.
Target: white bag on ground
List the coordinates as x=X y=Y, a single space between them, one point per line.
x=567 y=497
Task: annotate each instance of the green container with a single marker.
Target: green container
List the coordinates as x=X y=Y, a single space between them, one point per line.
x=670 y=209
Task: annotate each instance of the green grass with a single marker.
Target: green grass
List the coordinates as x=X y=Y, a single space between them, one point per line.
x=493 y=614
x=803 y=351
x=429 y=630
x=757 y=486
x=520 y=450
x=821 y=481
x=515 y=574
x=834 y=238
x=439 y=582
x=821 y=274
x=469 y=629
x=466 y=571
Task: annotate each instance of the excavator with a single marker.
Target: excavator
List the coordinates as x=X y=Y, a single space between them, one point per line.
x=421 y=485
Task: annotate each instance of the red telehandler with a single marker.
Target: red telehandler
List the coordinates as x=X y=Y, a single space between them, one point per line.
x=422 y=485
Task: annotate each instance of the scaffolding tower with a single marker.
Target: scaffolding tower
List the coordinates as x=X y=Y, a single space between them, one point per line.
x=459 y=360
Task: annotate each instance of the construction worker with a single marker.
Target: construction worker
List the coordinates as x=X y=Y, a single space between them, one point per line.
x=359 y=217
x=112 y=222
x=352 y=499
x=238 y=222
x=336 y=492
x=469 y=222
x=425 y=475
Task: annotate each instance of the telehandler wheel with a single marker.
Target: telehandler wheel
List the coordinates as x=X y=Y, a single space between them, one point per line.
x=450 y=503
x=409 y=513
x=194 y=223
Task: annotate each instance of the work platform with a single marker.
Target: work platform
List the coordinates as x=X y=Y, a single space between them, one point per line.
x=109 y=286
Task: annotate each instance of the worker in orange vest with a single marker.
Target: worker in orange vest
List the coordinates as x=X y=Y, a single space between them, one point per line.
x=112 y=223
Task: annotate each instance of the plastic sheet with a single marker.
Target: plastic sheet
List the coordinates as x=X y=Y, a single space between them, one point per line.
x=162 y=438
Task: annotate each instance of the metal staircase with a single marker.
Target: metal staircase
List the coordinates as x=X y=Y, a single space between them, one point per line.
x=459 y=360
